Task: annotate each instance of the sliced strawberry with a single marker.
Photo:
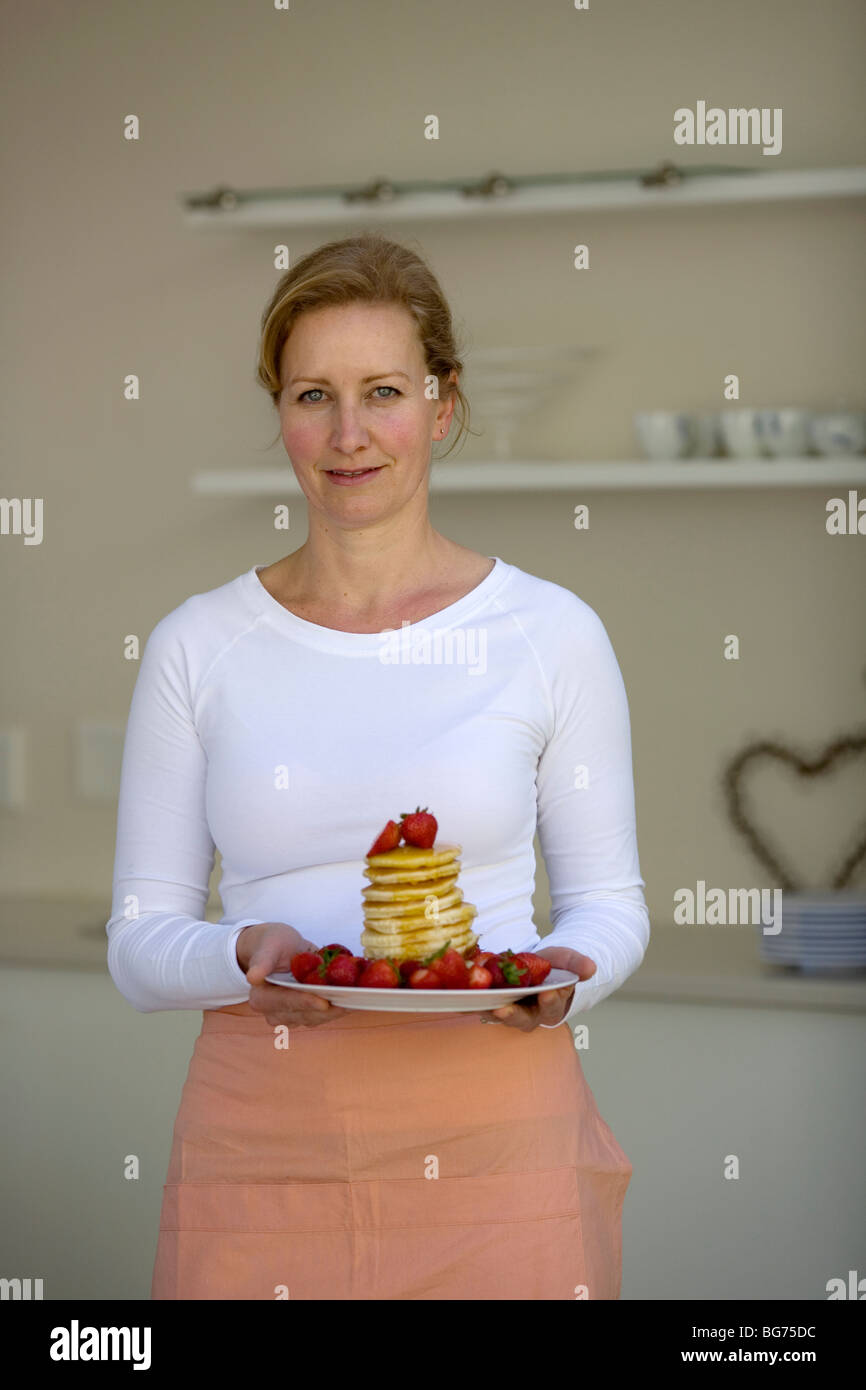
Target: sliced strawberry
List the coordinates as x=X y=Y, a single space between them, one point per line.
x=389 y=839
x=482 y=957
x=379 y=974
x=304 y=962
x=344 y=969
x=418 y=828
x=479 y=978
x=406 y=968
x=425 y=978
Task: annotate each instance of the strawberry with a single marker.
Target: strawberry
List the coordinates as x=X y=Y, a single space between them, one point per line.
x=539 y=967
x=523 y=963
x=482 y=957
x=316 y=969
x=379 y=974
x=389 y=839
x=494 y=969
x=514 y=970
x=303 y=963
x=344 y=969
x=406 y=968
x=450 y=967
x=336 y=947
x=479 y=978
x=425 y=978
x=418 y=828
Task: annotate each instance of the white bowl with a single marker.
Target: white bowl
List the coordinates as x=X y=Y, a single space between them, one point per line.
x=741 y=432
x=708 y=435
x=839 y=433
x=785 y=433
x=665 y=434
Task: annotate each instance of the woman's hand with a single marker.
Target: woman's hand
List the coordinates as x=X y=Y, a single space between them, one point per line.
x=551 y=1005
x=265 y=949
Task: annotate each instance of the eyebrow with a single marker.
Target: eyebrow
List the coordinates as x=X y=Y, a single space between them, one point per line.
x=323 y=381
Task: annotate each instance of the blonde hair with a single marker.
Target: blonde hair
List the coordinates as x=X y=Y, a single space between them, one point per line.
x=367 y=268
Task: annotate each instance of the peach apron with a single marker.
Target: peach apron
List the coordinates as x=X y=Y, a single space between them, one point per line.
x=387 y=1156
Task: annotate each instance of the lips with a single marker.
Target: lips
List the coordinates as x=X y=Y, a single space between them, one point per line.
x=352 y=476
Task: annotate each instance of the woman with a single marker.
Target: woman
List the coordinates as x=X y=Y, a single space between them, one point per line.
x=378 y=1155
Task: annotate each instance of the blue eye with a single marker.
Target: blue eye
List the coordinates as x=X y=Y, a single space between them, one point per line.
x=317 y=390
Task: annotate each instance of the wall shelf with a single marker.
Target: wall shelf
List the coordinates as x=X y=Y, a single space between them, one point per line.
x=499 y=195
x=551 y=476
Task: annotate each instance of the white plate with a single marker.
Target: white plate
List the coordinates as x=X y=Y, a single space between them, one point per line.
x=839 y=900
x=804 y=948
x=845 y=921
x=425 y=1001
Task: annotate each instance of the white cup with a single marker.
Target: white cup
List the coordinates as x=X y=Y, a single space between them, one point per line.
x=839 y=433
x=708 y=435
x=785 y=433
x=741 y=433
x=665 y=434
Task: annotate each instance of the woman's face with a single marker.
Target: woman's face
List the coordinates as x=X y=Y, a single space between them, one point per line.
x=354 y=400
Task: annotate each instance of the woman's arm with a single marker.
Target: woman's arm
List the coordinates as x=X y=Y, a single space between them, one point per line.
x=162 y=954
x=586 y=811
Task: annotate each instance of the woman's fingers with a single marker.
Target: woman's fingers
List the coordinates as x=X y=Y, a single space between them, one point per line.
x=274 y=951
x=285 y=1006
x=263 y=961
x=554 y=1004
x=548 y=1007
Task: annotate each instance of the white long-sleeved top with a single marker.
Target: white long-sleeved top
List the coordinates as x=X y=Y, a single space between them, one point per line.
x=289 y=745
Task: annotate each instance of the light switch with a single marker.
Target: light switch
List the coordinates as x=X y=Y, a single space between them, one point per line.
x=98 y=758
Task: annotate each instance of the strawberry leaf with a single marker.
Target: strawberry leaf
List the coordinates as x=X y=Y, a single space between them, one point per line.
x=512 y=971
x=436 y=954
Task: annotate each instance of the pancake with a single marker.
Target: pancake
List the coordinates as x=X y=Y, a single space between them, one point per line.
x=406 y=892
x=429 y=908
x=411 y=857
x=413 y=906
x=382 y=947
x=380 y=876
x=409 y=926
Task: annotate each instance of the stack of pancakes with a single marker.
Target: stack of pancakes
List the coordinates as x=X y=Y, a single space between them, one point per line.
x=413 y=905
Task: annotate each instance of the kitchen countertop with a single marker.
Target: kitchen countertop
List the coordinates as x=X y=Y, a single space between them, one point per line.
x=721 y=965
x=713 y=965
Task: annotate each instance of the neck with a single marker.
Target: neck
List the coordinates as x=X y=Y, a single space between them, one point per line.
x=355 y=569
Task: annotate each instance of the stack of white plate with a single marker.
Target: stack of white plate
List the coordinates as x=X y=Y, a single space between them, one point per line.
x=822 y=933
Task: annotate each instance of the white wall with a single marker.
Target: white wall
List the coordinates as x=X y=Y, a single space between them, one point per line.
x=103 y=279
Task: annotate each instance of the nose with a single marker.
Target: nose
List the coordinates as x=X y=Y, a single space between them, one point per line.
x=349 y=433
